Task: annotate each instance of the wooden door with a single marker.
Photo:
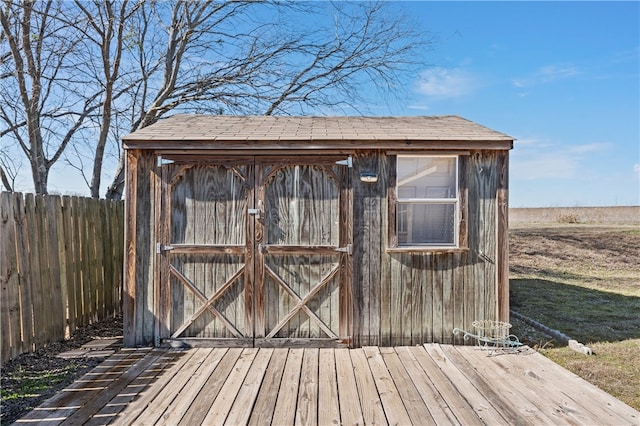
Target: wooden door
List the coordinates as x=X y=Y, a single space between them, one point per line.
x=303 y=253
x=206 y=268
x=255 y=251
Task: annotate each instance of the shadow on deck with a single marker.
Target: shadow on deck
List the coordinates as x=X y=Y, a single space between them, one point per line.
x=430 y=384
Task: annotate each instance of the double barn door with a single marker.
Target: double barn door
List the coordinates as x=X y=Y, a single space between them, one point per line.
x=254 y=251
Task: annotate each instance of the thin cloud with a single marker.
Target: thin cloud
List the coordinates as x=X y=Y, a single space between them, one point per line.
x=532 y=161
x=444 y=83
x=546 y=74
x=591 y=147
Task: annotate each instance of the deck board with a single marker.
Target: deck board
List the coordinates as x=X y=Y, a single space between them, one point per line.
x=434 y=383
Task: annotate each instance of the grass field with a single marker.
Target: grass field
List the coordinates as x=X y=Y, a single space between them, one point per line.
x=583 y=280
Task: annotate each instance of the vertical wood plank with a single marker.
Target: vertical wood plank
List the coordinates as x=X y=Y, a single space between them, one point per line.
x=25 y=273
x=9 y=281
x=438 y=293
x=459 y=301
x=409 y=293
x=264 y=406
x=372 y=411
x=260 y=280
x=361 y=248
x=427 y=298
x=222 y=404
x=250 y=255
x=129 y=314
x=418 y=309
x=328 y=389
x=388 y=223
x=350 y=409
x=244 y=402
x=394 y=409
x=346 y=238
x=285 y=410
x=448 y=307
x=76 y=223
x=86 y=256
x=100 y=283
x=411 y=399
x=145 y=247
x=56 y=220
x=39 y=316
x=502 y=256
x=106 y=260
x=378 y=246
x=307 y=406
x=67 y=230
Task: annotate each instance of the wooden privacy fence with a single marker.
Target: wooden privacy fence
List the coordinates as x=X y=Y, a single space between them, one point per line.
x=60 y=267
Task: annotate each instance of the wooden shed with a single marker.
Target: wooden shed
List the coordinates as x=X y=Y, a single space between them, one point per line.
x=314 y=231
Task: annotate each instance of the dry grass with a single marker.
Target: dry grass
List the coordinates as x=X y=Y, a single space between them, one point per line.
x=584 y=281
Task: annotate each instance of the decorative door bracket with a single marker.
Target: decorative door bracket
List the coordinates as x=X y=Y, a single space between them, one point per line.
x=161 y=247
x=348 y=162
x=164 y=161
x=347 y=249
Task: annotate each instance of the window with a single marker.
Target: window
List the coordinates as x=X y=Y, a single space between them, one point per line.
x=427 y=201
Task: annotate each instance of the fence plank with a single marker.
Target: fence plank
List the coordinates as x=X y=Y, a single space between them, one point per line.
x=68 y=236
x=58 y=318
x=11 y=343
x=76 y=222
x=25 y=273
x=60 y=267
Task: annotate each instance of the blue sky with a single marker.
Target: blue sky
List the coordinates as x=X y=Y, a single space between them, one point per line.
x=560 y=77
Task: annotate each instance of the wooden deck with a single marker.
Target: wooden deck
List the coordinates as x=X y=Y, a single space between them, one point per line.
x=421 y=385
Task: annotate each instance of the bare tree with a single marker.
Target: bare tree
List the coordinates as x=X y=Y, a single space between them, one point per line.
x=85 y=73
x=8 y=173
x=218 y=57
x=44 y=102
x=105 y=33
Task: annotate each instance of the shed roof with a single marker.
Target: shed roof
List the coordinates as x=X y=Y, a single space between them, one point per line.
x=233 y=132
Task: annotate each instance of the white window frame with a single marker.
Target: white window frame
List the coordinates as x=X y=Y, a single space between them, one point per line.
x=455 y=202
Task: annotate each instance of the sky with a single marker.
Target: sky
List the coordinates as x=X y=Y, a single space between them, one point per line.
x=562 y=78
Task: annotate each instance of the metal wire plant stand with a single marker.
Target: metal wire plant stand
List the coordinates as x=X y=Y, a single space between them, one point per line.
x=492 y=336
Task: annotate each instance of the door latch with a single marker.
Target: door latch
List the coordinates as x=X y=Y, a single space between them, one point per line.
x=254 y=212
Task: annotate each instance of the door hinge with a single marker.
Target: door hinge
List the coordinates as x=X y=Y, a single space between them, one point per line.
x=164 y=161
x=348 y=162
x=347 y=249
x=160 y=248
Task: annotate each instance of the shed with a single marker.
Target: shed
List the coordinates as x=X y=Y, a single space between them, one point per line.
x=314 y=231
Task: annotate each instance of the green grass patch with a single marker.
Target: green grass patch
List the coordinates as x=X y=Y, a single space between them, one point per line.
x=584 y=314
x=30 y=384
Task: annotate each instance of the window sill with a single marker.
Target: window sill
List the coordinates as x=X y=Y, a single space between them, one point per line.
x=426 y=249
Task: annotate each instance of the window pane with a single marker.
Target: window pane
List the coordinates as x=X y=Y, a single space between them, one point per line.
x=426 y=177
x=426 y=223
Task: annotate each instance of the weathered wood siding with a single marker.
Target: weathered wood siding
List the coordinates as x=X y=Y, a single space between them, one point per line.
x=411 y=298
x=399 y=298
x=138 y=304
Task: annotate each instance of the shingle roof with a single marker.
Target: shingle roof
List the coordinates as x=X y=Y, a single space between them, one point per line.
x=234 y=129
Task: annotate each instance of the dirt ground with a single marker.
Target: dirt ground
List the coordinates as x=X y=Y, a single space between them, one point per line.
x=601 y=257
x=31 y=378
